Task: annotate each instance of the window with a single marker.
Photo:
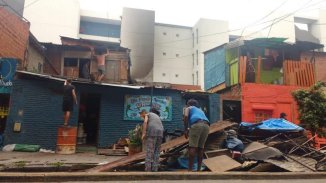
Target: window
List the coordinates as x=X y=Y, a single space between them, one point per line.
x=164 y=53
x=70 y=62
x=99 y=29
x=197 y=36
x=197 y=56
x=177 y=35
x=164 y=33
x=177 y=55
x=197 y=77
x=193 y=79
x=193 y=40
x=163 y=74
x=193 y=60
x=262 y=115
x=177 y=75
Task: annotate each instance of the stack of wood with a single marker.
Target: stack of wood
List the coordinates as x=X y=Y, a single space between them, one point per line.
x=168 y=149
x=117 y=149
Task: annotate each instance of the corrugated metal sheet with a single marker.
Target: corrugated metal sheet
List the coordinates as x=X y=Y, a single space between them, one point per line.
x=214 y=67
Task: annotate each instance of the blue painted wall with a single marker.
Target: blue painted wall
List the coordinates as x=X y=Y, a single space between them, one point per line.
x=100 y=29
x=36 y=103
x=214 y=67
x=37 y=106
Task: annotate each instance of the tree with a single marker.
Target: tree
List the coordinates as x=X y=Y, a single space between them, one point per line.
x=312 y=108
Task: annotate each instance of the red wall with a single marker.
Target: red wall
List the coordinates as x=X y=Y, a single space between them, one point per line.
x=273 y=98
x=14 y=34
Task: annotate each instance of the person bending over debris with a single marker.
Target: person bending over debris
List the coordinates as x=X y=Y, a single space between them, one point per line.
x=153 y=135
x=197 y=129
x=69 y=97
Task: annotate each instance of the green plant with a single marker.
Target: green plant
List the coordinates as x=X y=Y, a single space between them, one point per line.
x=312 y=108
x=135 y=136
x=57 y=164
x=20 y=164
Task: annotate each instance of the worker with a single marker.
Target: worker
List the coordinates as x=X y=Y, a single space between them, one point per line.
x=196 y=129
x=69 y=98
x=153 y=135
x=283 y=115
x=100 y=53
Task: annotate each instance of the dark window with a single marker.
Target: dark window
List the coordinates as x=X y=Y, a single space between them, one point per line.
x=70 y=62
x=99 y=29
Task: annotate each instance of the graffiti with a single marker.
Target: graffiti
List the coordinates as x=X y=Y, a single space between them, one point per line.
x=7 y=72
x=134 y=104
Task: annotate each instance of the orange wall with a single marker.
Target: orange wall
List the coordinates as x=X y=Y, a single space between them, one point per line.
x=275 y=98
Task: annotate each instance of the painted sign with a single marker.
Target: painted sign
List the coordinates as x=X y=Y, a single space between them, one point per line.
x=7 y=72
x=134 y=104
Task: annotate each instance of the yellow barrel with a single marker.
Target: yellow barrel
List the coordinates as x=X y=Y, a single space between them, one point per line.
x=66 y=141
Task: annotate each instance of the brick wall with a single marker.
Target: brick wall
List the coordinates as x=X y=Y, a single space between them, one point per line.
x=14 y=34
x=320 y=63
x=54 y=55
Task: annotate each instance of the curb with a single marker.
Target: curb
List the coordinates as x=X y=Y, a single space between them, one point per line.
x=123 y=176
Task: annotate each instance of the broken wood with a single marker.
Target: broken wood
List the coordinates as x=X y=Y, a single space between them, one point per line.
x=215 y=127
x=112 y=152
x=221 y=163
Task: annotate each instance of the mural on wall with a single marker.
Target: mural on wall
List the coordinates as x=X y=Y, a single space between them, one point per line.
x=134 y=104
x=7 y=72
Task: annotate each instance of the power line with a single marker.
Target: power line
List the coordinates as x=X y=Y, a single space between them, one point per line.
x=273 y=11
x=281 y=18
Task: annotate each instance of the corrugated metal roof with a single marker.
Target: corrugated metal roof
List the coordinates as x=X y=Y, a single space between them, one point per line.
x=77 y=81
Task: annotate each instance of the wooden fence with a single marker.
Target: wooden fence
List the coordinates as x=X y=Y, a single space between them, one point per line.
x=298 y=73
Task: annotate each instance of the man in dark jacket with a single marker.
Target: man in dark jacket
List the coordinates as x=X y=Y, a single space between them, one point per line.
x=69 y=98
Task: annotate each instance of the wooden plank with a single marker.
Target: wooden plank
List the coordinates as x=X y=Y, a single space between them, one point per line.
x=285 y=75
x=245 y=68
x=311 y=74
x=112 y=152
x=258 y=70
x=240 y=69
x=215 y=127
x=221 y=163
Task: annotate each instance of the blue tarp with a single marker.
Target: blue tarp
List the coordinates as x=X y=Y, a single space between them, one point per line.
x=273 y=124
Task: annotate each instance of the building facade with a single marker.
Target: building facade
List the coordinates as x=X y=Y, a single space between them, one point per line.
x=159 y=52
x=102 y=109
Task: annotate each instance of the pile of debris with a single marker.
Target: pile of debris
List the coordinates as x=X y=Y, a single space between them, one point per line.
x=270 y=146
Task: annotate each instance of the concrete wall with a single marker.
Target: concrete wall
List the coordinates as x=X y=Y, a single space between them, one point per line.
x=318 y=29
x=173 y=59
x=14 y=34
x=137 y=34
x=272 y=98
x=52 y=19
x=16 y=6
x=35 y=60
x=207 y=35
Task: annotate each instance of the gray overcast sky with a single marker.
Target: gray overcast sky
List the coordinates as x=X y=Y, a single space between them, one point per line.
x=239 y=13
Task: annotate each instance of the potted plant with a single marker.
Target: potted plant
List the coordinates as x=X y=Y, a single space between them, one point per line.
x=135 y=140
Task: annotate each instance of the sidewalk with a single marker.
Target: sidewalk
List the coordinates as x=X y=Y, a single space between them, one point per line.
x=138 y=176
x=13 y=161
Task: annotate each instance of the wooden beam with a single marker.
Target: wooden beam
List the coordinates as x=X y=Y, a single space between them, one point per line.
x=215 y=127
x=258 y=70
